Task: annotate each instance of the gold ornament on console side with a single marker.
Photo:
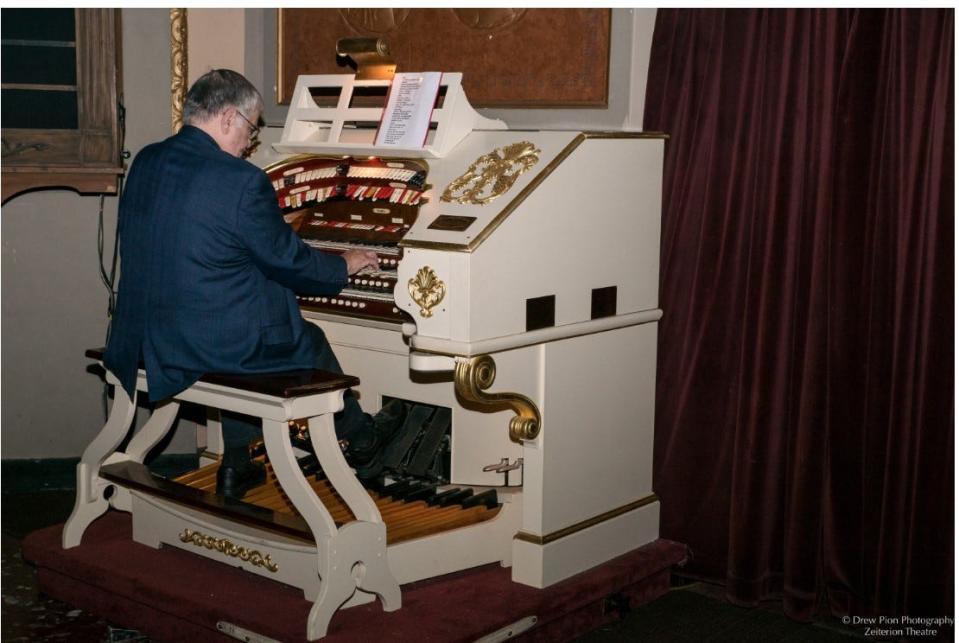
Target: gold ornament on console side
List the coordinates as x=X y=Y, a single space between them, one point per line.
x=492 y=174
x=224 y=546
x=427 y=290
x=476 y=374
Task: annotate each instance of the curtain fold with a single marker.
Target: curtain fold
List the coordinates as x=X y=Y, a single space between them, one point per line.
x=804 y=443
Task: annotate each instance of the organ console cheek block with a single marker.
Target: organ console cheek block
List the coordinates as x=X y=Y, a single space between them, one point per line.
x=514 y=312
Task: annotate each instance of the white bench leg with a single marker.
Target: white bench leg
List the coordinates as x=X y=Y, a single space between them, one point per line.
x=163 y=417
x=355 y=558
x=90 y=503
x=349 y=558
x=276 y=439
x=357 y=554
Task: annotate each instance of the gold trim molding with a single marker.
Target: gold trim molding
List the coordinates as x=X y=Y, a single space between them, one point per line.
x=476 y=374
x=586 y=524
x=178 y=65
x=224 y=546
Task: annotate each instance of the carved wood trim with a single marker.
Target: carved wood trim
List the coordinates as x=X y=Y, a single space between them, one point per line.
x=179 y=64
x=86 y=159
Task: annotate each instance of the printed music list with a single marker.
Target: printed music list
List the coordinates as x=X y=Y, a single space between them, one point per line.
x=406 y=119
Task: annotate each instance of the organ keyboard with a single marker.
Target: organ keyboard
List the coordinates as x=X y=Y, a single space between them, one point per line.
x=338 y=203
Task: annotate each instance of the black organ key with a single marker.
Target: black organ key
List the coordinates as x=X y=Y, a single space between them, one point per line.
x=440 y=497
x=396 y=489
x=456 y=498
x=423 y=493
x=414 y=489
x=487 y=498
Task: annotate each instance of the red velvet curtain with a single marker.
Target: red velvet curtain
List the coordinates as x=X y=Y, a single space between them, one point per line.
x=804 y=444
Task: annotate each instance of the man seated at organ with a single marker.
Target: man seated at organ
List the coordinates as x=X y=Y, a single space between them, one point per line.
x=208 y=273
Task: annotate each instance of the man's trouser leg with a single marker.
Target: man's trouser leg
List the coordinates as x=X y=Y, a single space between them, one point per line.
x=351 y=423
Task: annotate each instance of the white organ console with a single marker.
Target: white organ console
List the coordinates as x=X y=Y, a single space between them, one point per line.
x=516 y=306
x=519 y=289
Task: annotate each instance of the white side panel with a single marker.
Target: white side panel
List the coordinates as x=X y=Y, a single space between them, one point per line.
x=449 y=273
x=595 y=451
x=544 y=565
x=593 y=223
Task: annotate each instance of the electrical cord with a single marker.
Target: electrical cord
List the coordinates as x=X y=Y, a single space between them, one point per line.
x=108 y=276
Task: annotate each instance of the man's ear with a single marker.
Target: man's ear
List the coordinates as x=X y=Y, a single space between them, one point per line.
x=226 y=118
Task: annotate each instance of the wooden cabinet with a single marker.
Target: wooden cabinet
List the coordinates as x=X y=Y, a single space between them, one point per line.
x=61 y=87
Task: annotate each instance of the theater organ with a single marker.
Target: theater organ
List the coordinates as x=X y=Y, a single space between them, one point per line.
x=515 y=311
x=523 y=297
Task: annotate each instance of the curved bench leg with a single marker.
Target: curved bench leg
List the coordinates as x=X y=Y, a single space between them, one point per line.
x=351 y=557
x=90 y=503
x=355 y=558
x=338 y=472
x=163 y=417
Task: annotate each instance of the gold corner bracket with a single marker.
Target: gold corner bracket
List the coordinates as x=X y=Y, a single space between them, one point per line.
x=178 y=66
x=474 y=375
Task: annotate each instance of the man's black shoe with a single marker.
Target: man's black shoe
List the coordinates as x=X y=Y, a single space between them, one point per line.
x=389 y=419
x=385 y=424
x=234 y=482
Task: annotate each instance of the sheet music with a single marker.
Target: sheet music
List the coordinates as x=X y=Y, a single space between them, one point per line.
x=406 y=119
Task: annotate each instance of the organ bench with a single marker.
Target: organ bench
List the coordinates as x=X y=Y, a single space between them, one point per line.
x=328 y=561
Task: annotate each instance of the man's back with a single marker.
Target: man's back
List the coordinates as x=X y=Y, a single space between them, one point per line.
x=207 y=264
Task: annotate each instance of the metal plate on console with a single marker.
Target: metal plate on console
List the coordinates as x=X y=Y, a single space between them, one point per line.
x=451 y=222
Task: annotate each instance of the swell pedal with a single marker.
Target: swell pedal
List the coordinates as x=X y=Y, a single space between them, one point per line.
x=401 y=444
x=430 y=443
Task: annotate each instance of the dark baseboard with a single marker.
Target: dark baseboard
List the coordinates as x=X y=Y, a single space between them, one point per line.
x=19 y=476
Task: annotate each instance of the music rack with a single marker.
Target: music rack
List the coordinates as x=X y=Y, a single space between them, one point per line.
x=347 y=128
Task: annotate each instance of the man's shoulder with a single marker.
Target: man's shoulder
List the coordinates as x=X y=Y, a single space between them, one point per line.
x=201 y=160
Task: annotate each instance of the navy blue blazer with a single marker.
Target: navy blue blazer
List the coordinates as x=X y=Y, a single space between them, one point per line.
x=207 y=265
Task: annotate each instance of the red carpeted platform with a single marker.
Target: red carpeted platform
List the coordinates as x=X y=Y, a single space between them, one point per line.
x=172 y=595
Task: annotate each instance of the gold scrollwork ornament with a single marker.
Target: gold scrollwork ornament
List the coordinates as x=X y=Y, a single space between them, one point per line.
x=492 y=174
x=476 y=374
x=427 y=290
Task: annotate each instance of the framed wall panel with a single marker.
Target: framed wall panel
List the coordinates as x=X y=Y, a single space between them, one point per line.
x=509 y=57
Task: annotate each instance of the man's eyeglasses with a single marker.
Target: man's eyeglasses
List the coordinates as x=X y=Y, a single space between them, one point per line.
x=254 y=130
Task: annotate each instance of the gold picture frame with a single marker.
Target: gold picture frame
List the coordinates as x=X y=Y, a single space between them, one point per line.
x=178 y=65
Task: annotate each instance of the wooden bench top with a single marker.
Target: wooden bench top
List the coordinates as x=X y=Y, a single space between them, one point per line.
x=285 y=384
